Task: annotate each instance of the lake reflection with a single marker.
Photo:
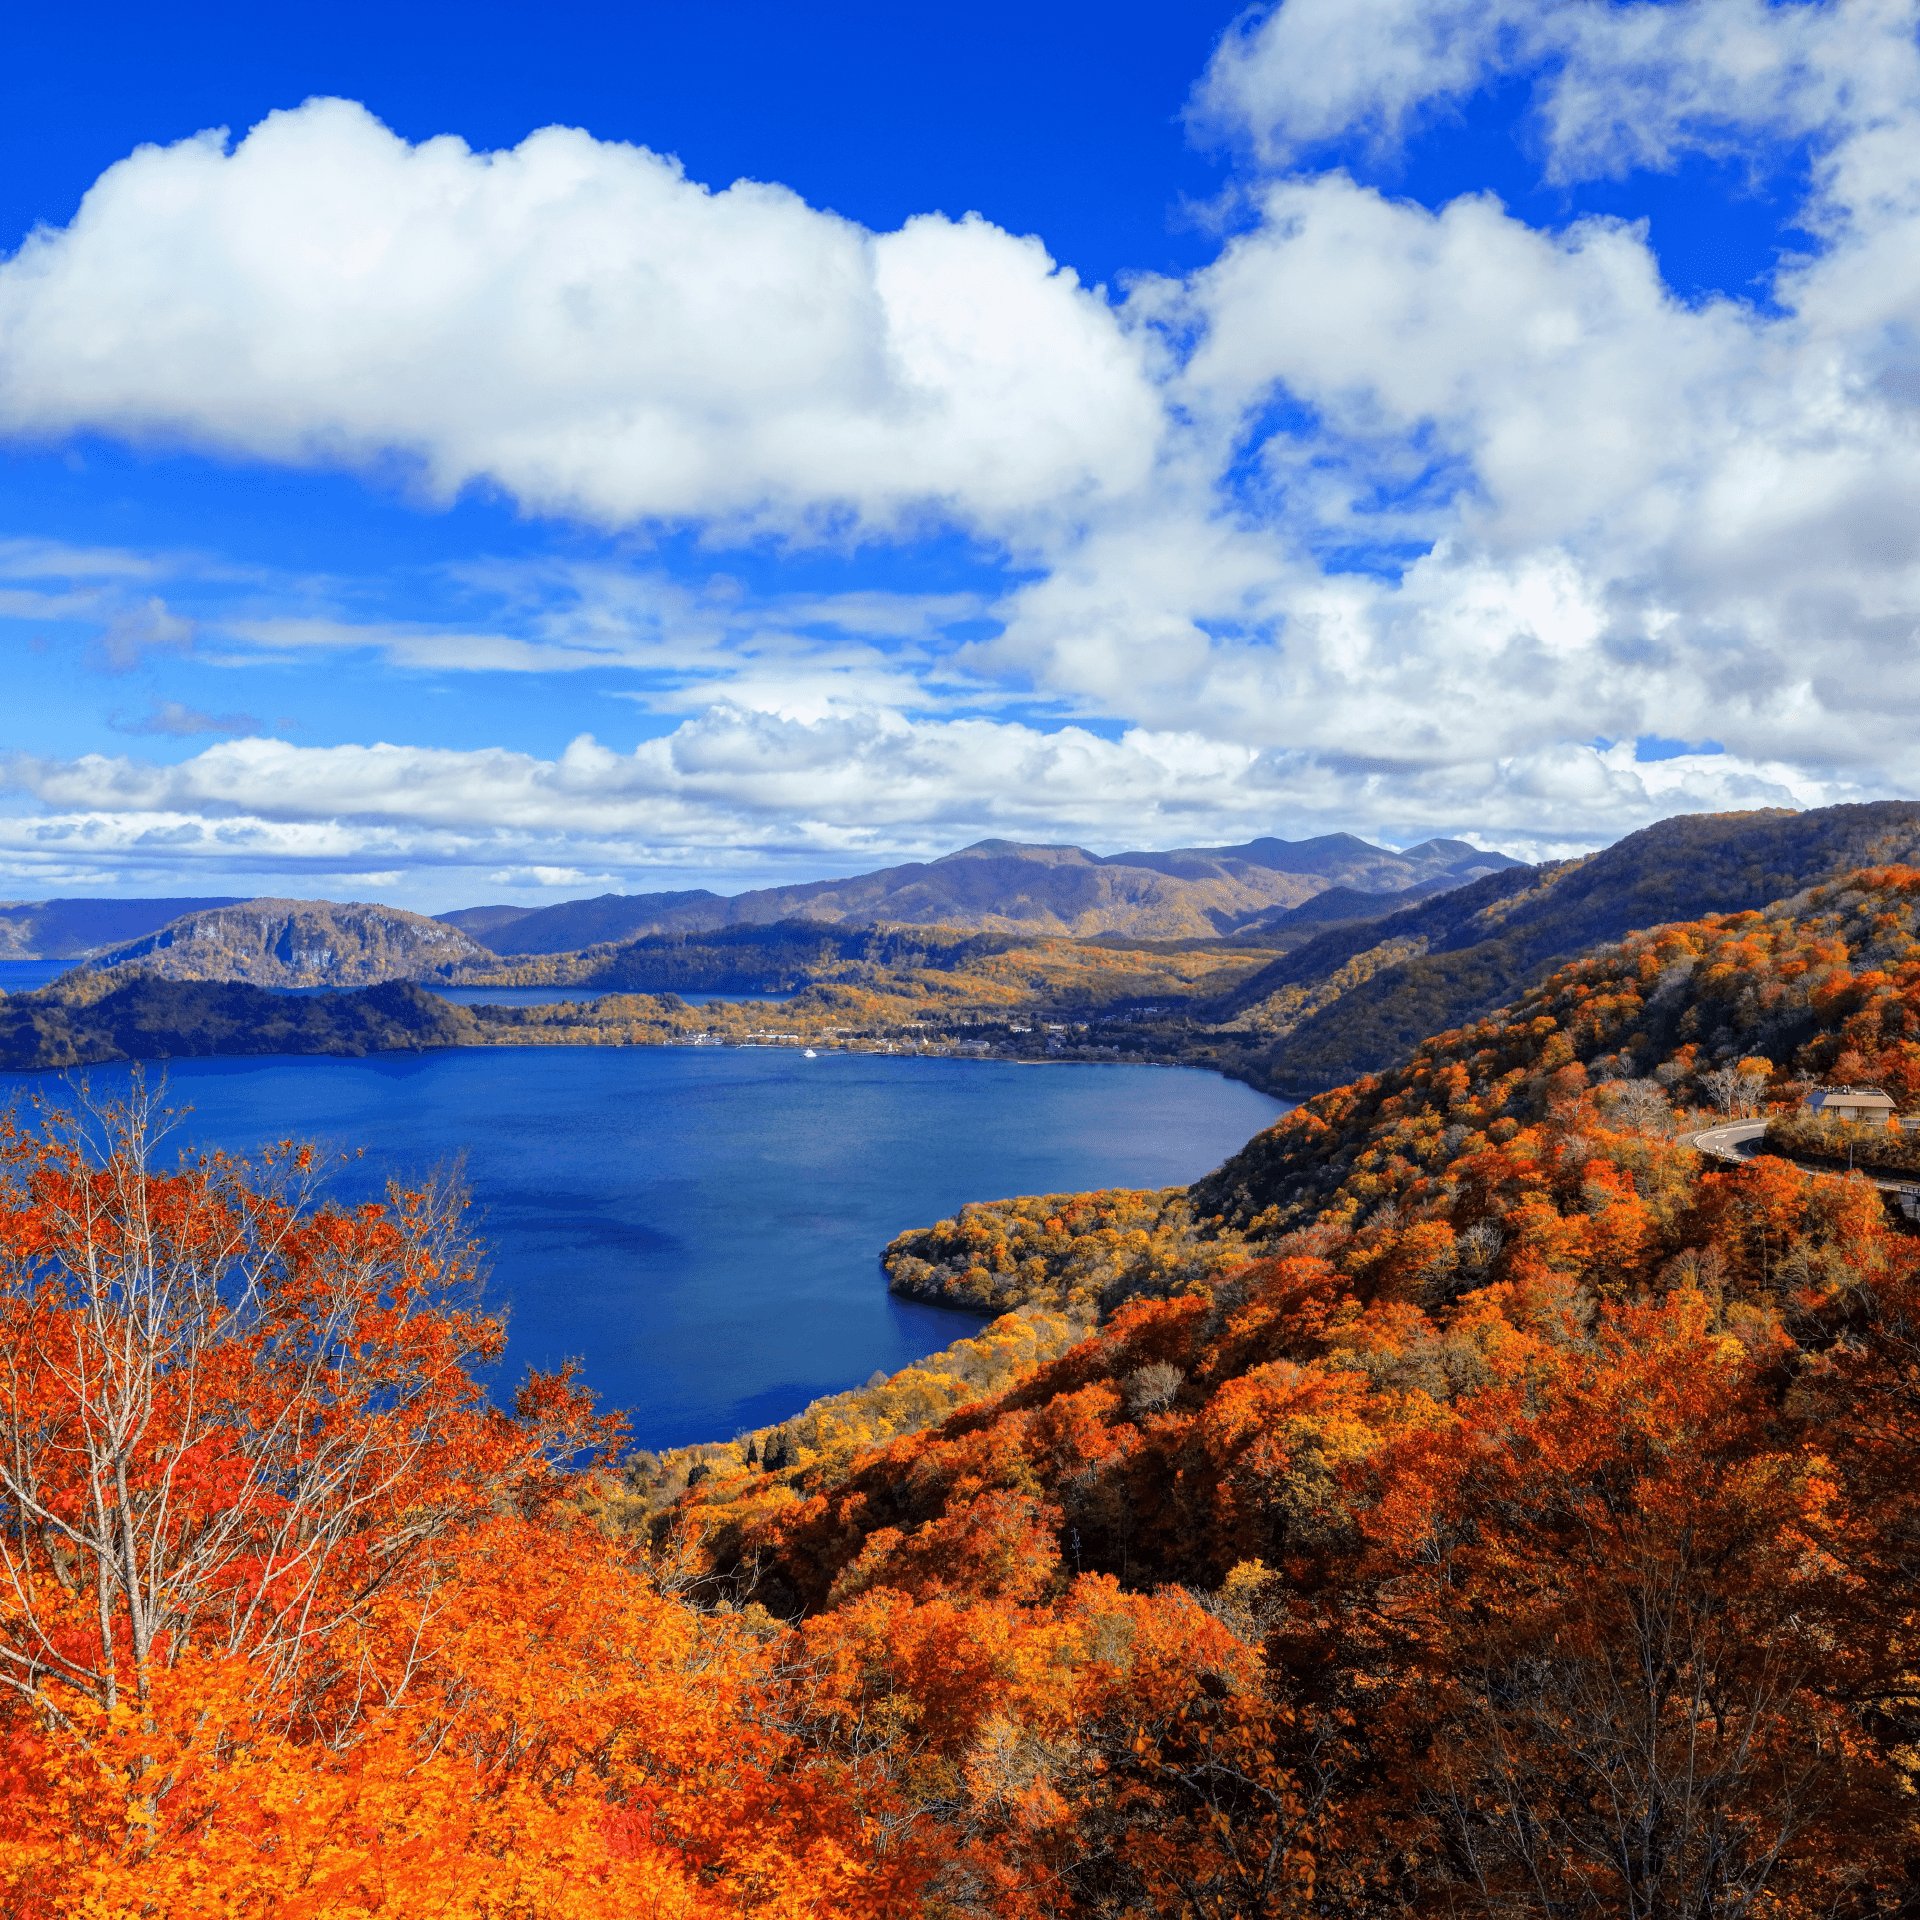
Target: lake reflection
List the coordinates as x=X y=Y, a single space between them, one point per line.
x=702 y=1226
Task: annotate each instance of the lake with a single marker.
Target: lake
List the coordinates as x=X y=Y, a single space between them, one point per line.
x=702 y=1226
x=25 y=976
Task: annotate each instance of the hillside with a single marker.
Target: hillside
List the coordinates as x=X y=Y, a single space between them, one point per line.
x=1422 y=1395
x=779 y=957
x=1467 y=1501
x=1340 y=904
x=1441 y=964
x=297 y=943
x=1001 y=886
x=131 y=1014
x=67 y=929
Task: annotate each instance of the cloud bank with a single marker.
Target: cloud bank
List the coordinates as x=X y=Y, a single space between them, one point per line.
x=1390 y=518
x=739 y=790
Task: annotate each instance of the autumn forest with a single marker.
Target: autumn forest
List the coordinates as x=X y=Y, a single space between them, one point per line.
x=1471 y=1499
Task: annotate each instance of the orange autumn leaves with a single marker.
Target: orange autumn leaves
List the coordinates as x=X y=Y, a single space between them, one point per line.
x=1606 y=1599
x=555 y=1739
x=1521 y=1522
x=290 y=1622
x=1564 y=1481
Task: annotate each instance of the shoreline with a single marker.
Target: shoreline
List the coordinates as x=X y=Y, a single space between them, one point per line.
x=94 y=1021
x=637 y=1046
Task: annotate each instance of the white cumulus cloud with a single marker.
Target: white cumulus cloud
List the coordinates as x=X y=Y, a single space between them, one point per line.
x=572 y=321
x=1391 y=518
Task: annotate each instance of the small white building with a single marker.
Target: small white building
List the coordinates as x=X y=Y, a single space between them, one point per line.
x=1851 y=1103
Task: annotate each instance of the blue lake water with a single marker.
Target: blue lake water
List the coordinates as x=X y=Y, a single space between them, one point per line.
x=702 y=1226
x=24 y=976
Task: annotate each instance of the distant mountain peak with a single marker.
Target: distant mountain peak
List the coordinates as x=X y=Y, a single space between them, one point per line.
x=1459 y=850
x=1041 y=853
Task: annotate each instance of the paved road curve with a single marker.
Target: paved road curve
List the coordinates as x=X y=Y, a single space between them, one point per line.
x=1739 y=1140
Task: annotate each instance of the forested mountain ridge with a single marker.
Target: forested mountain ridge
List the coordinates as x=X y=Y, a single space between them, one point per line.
x=1003 y=886
x=1424 y=1394
x=1463 y=1428
x=1472 y=951
x=1463 y=916
x=1345 y=904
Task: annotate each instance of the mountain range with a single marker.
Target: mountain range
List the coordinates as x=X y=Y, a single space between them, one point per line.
x=996 y=886
x=1002 y=886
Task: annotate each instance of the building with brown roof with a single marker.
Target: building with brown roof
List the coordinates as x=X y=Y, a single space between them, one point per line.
x=1851 y=1103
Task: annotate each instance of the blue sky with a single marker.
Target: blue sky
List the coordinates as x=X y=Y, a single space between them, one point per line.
x=847 y=432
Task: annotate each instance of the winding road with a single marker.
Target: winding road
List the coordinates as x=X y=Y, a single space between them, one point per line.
x=1736 y=1140
x=1739 y=1140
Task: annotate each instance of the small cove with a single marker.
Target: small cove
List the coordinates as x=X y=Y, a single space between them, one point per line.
x=702 y=1226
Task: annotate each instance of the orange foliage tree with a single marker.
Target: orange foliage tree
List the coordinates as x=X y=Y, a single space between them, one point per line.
x=1621 y=1604
x=1503 y=1511
x=294 y=1622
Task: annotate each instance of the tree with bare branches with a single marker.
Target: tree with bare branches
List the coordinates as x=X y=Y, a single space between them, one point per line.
x=293 y=1620
x=229 y=1416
